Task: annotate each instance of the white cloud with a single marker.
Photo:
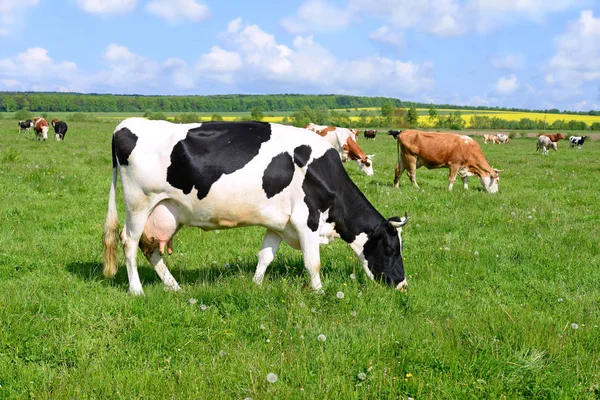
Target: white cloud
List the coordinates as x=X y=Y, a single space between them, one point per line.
x=308 y=66
x=127 y=69
x=11 y=83
x=386 y=35
x=507 y=84
x=506 y=62
x=107 y=6
x=577 y=57
x=178 y=10
x=11 y=11
x=317 y=16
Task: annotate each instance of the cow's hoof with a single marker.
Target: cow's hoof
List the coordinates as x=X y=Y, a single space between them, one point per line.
x=136 y=292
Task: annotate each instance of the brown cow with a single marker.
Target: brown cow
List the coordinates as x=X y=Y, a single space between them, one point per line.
x=40 y=125
x=461 y=154
x=555 y=137
x=370 y=134
x=490 y=138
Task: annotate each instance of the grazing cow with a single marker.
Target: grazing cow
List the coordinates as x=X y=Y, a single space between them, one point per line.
x=461 y=154
x=577 y=141
x=544 y=143
x=216 y=175
x=370 y=134
x=343 y=141
x=555 y=137
x=26 y=125
x=40 y=125
x=394 y=133
x=490 y=138
x=502 y=138
x=60 y=129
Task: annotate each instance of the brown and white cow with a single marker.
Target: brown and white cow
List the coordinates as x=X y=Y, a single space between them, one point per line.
x=544 y=143
x=40 y=125
x=342 y=139
x=461 y=154
x=555 y=137
x=490 y=138
x=502 y=138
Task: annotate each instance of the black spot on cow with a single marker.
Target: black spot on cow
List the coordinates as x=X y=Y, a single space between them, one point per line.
x=123 y=143
x=278 y=174
x=301 y=155
x=212 y=150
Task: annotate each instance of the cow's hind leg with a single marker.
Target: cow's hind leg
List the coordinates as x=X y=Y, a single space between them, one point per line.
x=130 y=237
x=452 y=175
x=269 y=247
x=398 y=172
x=411 y=166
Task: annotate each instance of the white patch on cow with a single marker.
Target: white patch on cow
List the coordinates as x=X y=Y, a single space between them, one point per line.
x=402 y=286
x=358 y=246
x=466 y=138
x=45 y=132
x=491 y=186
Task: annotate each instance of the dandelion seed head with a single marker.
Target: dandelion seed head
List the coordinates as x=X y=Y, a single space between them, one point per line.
x=271 y=377
x=353 y=313
x=222 y=353
x=203 y=307
x=529 y=217
x=352 y=276
x=560 y=300
x=321 y=338
x=475 y=253
x=362 y=376
x=513 y=213
x=262 y=327
x=193 y=301
x=574 y=326
x=447 y=248
x=340 y=295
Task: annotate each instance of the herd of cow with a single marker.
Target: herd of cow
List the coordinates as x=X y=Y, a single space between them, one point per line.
x=40 y=126
x=218 y=175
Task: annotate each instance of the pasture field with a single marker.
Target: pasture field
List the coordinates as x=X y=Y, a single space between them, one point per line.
x=504 y=297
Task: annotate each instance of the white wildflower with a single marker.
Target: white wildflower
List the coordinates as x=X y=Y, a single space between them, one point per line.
x=321 y=338
x=271 y=377
x=340 y=295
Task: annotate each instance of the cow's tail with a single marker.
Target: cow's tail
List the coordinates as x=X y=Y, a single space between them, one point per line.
x=111 y=229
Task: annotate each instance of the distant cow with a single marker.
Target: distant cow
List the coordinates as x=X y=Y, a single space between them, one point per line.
x=577 y=141
x=60 y=129
x=544 y=143
x=370 y=134
x=216 y=175
x=490 y=138
x=461 y=154
x=342 y=139
x=502 y=138
x=25 y=125
x=40 y=125
x=394 y=133
x=555 y=137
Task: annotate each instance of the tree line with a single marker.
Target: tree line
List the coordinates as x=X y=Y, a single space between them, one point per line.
x=79 y=102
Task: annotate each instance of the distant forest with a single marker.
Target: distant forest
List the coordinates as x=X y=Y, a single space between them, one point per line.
x=78 y=102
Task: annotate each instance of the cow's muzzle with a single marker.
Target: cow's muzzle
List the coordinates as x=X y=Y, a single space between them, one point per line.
x=402 y=286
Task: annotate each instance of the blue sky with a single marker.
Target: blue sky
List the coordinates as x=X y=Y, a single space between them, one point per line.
x=533 y=54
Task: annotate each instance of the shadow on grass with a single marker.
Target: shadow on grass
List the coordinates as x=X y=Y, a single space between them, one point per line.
x=92 y=271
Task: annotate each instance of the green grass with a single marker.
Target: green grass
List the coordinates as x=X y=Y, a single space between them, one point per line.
x=496 y=282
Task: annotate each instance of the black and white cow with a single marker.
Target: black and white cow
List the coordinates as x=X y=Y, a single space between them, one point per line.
x=60 y=129
x=26 y=125
x=394 y=132
x=217 y=175
x=577 y=141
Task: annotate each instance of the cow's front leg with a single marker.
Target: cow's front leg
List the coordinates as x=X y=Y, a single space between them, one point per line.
x=266 y=255
x=309 y=244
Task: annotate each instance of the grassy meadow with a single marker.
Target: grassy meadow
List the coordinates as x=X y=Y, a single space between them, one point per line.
x=504 y=297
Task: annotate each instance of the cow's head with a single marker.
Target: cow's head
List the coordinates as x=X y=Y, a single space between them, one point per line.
x=58 y=136
x=490 y=182
x=383 y=252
